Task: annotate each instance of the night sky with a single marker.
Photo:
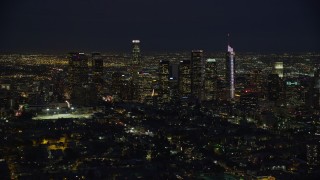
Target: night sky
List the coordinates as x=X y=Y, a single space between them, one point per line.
x=58 y=26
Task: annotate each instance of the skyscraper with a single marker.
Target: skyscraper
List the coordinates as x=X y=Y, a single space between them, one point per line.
x=136 y=53
x=121 y=86
x=135 y=67
x=185 y=78
x=164 y=75
x=197 y=69
x=174 y=82
x=82 y=93
x=274 y=87
x=97 y=67
x=97 y=63
x=146 y=85
x=78 y=68
x=230 y=72
x=210 y=79
x=278 y=69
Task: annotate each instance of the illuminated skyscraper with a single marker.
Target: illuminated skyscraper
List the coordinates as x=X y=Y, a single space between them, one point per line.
x=136 y=53
x=97 y=67
x=121 y=86
x=82 y=93
x=230 y=72
x=185 y=78
x=210 y=79
x=135 y=68
x=197 y=69
x=164 y=75
x=278 y=69
x=146 y=85
x=174 y=82
x=97 y=63
x=274 y=87
x=78 y=68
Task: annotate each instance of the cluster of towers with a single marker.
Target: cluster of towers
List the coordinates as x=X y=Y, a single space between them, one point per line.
x=84 y=82
x=195 y=78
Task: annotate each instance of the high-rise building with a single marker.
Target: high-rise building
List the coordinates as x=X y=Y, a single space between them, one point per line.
x=97 y=70
x=164 y=75
x=147 y=82
x=230 y=71
x=78 y=68
x=257 y=79
x=97 y=64
x=210 y=79
x=274 y=87
x=135 y=68
x=185 y=78
x=121 y=86
x=197 y=71
x=174 y=82
x=136 y=53
x=278 y=69
x=248 y=102
x=82 y=93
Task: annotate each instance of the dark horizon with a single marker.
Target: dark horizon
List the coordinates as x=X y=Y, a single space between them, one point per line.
x=166 y=26
x=151 y=52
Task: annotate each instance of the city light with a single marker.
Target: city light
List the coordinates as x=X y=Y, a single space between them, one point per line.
x=185 y=115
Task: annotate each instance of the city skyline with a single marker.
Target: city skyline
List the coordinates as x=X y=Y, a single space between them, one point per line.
x=57 y=27
x=123 y=89
x=170 y=115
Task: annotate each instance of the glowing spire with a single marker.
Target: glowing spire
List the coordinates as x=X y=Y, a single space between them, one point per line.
x=230 y=49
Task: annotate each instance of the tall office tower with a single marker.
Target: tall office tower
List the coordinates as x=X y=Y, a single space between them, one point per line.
x=164 y=75
x=121 y=86
x=248 y=102
x=146 y=85
x=274 y=87
x=82 y=94
x=210 y=80
x=97 y=68
x=197 y=71
x=136 y=53
x=174 y=82
x=278 y=69
x=78 y=68
x=257 y=79
x=230 y=72
x=135 y=68
x=185 y=78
